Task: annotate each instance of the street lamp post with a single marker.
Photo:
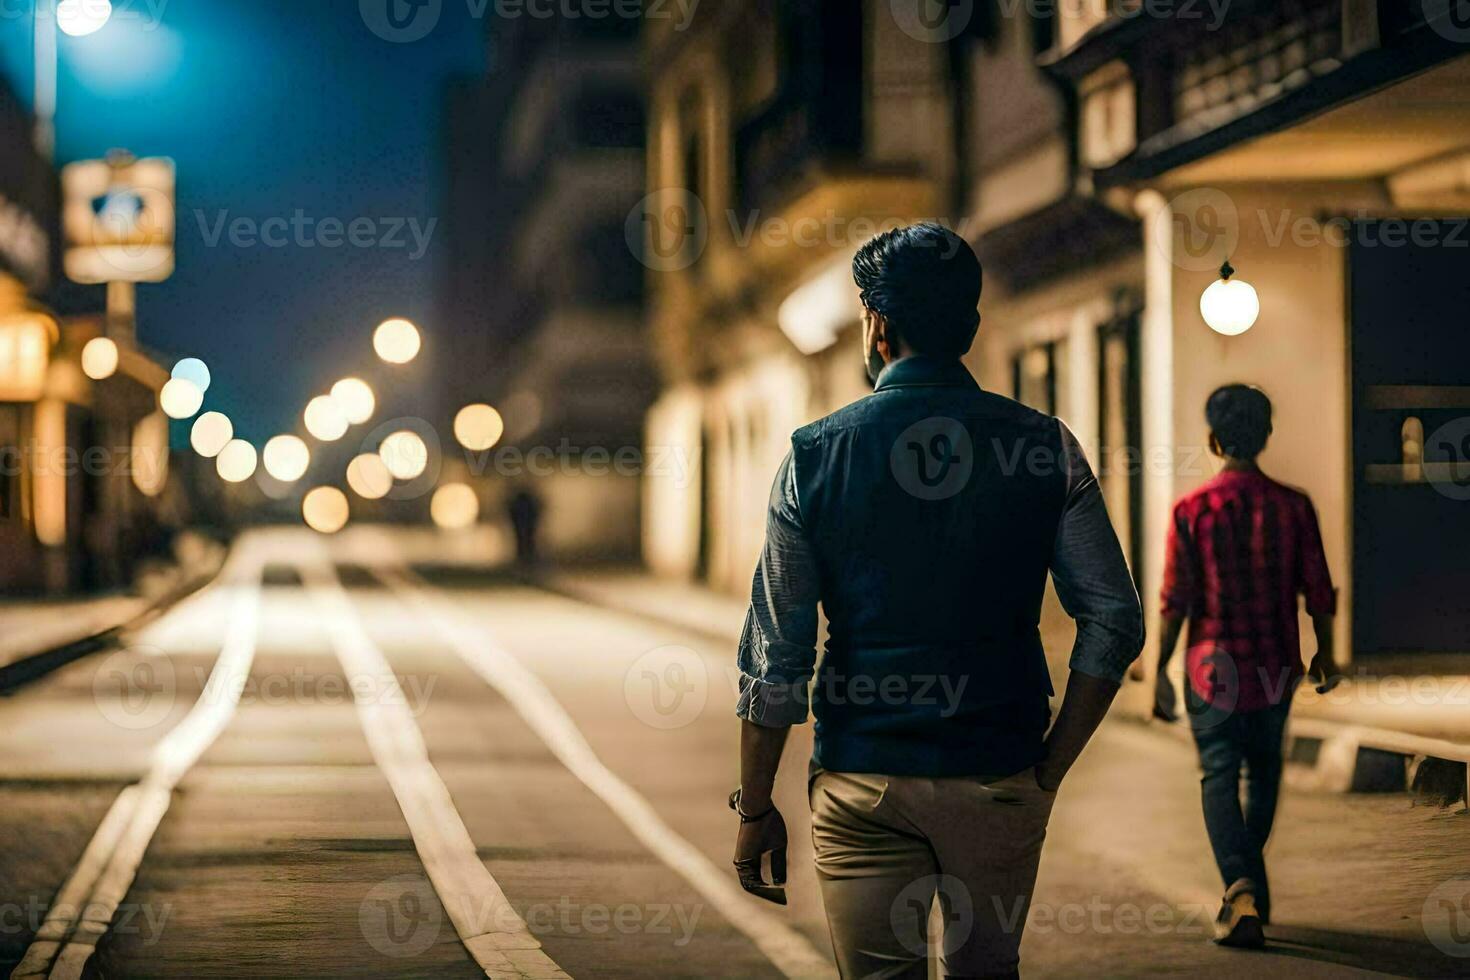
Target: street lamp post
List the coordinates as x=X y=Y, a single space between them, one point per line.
x=75 y=17
x=45 y=62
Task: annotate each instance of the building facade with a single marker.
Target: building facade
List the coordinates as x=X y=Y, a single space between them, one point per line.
x=82 y=461
x=781 y=136
x=1105 y=160
x=555 y=322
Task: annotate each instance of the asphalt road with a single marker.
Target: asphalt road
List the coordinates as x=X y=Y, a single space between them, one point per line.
x=351 y=757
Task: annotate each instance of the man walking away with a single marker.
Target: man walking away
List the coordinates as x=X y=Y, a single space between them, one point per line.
x=1241 y=549
x=925 y=518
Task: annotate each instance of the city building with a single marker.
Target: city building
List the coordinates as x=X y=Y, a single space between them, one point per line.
x=781 y=136
x=82 y=461
x=548 y=158
x=1106 y=160
x=1321 y=147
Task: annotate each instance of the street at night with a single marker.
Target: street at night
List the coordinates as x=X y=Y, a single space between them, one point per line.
x=309 y=825
x=862 y=489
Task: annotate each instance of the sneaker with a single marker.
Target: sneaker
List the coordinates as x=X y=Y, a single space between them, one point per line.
x=1239 y=923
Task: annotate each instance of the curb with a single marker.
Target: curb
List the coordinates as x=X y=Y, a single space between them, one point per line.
x=32 y=667
x=1333 y=757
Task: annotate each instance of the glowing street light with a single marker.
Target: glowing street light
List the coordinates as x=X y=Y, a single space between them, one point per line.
x=325 y=510
x=404 y=454
x=369 y=477
x=78 y=18
x=236 y=462
x=180 y=398
x=1229 y=306
x=324 y=419
x=99 y=358
x=355 y=398
x=286 y=458
x=396 y=341
x=454 y=506
x=478 y=427
x=192 y=369
x=212 y=431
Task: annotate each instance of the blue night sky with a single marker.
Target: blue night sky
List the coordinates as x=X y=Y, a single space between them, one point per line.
x=267 y=107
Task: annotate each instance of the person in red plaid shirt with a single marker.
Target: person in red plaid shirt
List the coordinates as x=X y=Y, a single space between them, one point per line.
x=1241 y=548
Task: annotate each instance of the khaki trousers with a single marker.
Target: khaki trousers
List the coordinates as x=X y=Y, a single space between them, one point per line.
x=888 y=846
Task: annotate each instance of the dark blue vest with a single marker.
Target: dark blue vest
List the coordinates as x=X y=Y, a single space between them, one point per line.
x=933 y=508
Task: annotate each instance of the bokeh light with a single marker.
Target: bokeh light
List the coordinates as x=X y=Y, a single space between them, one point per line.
x=368 y=477
x=454 y=506
x=286 y=458
x=324 y=419
x=212 y=431
x=355 y=398
x=325 y=509
x=192 y=369
x=180 y=398
x=236 y=462
x=78 y=18
x=478 y=427
x=396 y=341
x=99 y=358
x=404 y=454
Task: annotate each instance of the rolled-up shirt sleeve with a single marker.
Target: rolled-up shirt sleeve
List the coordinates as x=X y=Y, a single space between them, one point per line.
x=778 y=644
x=1092 y=577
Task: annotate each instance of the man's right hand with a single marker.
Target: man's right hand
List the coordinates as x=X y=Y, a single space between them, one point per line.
x=757 y=838
x=1166 y=702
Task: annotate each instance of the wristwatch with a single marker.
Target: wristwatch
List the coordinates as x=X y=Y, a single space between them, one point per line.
x=748 y=817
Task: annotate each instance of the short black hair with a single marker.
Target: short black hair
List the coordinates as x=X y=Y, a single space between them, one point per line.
x=925 y=281
x=1240 y=417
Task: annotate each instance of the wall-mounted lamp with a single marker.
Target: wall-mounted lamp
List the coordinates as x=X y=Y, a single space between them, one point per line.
x=1229 y=306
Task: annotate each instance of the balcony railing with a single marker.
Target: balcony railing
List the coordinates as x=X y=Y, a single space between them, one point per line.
x=817 y=118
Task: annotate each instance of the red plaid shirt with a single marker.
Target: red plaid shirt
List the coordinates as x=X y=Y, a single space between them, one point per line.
x=1241 y=548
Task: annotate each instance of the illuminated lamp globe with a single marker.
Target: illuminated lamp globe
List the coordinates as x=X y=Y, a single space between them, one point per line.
x=355 y=398
x=99 y=358
x=369 y=477
x=180 y=398
x=286 y=458
x=324 y=419
x=212 y=431
x=404 y=454
x=78 y=18
x=236 y=462
x=192 y=369
x=396 y=341
x=454 y=507
x=1230 y=306
x=325 y=510
x=478 y=427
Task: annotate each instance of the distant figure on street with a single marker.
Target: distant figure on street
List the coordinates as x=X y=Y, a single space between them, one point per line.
x=924 y=519
x=1241 y=549
x=524 y=509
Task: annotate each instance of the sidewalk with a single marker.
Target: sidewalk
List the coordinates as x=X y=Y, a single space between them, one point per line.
x=1372 y=733
x=28 y=628
x=1127 y=885
x=39 y=635
x=631 y=590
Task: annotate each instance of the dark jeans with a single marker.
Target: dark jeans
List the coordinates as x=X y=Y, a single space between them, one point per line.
x=1238 y=836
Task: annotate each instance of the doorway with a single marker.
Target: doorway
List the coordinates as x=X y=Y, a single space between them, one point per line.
x=1410 y=363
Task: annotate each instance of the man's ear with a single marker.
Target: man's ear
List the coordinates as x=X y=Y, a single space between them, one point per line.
x=1215 y=446
x=880 y=336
